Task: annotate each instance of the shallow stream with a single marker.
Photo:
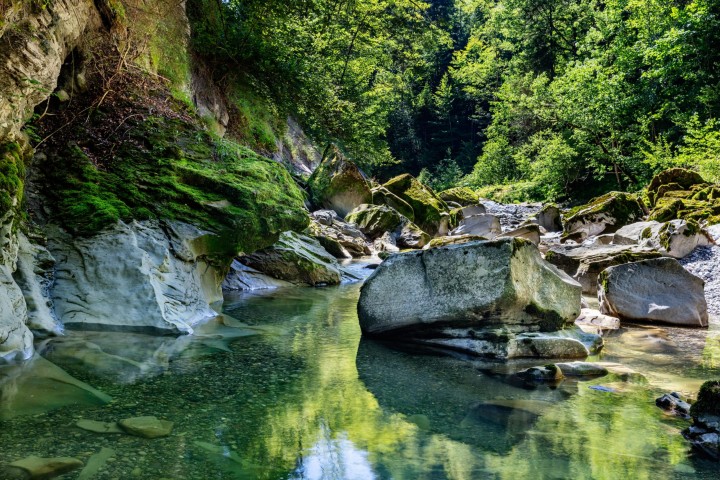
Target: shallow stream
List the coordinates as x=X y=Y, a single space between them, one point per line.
x=282 y=387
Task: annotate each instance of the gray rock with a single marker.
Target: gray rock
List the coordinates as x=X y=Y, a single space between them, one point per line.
x=494 y=284
x=338 y=184
x=473 y=210
x=676 y=238
x=657 y=290
x=411 y=236
x=142 y=276
x=550 y=218
x=244 y=278
x=582 y=369
x=35 y=275
x=674 y=404
x=481 y=225
x=374 y=220
x=592 y=321
x=529 y=232
x=98 y=427
x=146 y=427
x=297 y=259
x=547 y=373
x=605 y=214
x=44 y=468
x=584 y=263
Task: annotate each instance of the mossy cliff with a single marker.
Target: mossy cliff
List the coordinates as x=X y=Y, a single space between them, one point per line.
x=171 y=169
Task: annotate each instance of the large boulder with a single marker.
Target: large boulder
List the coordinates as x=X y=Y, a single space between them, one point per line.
x=340 y=238
x=605 y=214
x=463 y=196
x=427 y=206
x=16 y=341
x=411 y=236
x=657 y=290
x=338 y=184
x=374 y=220
x=144 y=276
x=585 y=262
x=297 y=259
x=550 y=218
x=484 y=225
x=674 y=179
x=530 y=231
x=676 y=238
x=383 y=196
x=481 y=295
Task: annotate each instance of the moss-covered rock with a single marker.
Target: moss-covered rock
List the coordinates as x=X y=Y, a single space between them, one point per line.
x=298 y=259
x=453 y=240
x=708 y=401
x=12 y=176
x=338 y=184
x=673 y=179
x=605 y=214
x=383 y=196
x=428 y=207
x=170 y=169
x=374 y=220
x=461 y=195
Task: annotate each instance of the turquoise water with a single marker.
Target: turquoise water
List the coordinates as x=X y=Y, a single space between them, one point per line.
x=283 y=387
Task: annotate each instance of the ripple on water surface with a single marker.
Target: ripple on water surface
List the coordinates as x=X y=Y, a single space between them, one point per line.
x=283 y=387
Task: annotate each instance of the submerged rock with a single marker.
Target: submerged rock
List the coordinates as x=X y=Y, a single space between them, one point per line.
x=98 y=427
x=45 y=468
x=656 y=290
x=672 y=403
x=338 y=184
x=146 y=427
x=492 y=298
x=298 y=259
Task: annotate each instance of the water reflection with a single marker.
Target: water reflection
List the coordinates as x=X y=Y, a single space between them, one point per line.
x=283 y=387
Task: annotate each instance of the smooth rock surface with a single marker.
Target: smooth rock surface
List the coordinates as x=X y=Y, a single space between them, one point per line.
x=503 y=282
x=485 y=225
x=146 y=427
x=297 y=259
x=143 y=276
x=676 y=238
x=244 y=278
x=338 y=184
x=45 y=468
x=593 y=321
x=656 y=290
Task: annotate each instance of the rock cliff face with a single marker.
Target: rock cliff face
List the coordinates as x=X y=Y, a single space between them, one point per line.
x=32 y=54
x=137 y=233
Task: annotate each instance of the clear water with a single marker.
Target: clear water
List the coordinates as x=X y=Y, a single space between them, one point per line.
x=283 y=387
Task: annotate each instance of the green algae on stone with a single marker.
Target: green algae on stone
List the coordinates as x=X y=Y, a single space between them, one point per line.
x=610 y=212
x=374 y=220
x=708 y=401
x=383 y=196
x=170 y=169
x=12 y=176
x=461 y=195
x=668 y=180
x=428 y=207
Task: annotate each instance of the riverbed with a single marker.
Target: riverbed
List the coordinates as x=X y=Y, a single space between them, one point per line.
x=281 y=386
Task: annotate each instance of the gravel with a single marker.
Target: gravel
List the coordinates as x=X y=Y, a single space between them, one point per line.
x=705 y=263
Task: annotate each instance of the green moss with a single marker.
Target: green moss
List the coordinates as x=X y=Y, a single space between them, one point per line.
x=12 y=177
x=708 y=401
x=338 y=178
x=383 y=196
x=424 y=202
x=462 y=195
x=625 y=208
x=170 y=169
x=374 y=220
x=257 y=122
x=549 y=320
x=672 y=179
x=646 y=233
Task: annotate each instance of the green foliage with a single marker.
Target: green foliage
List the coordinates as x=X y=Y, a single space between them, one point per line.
x=169 y=169
x=708 y=401
x=12 y=176
x=445 y=175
